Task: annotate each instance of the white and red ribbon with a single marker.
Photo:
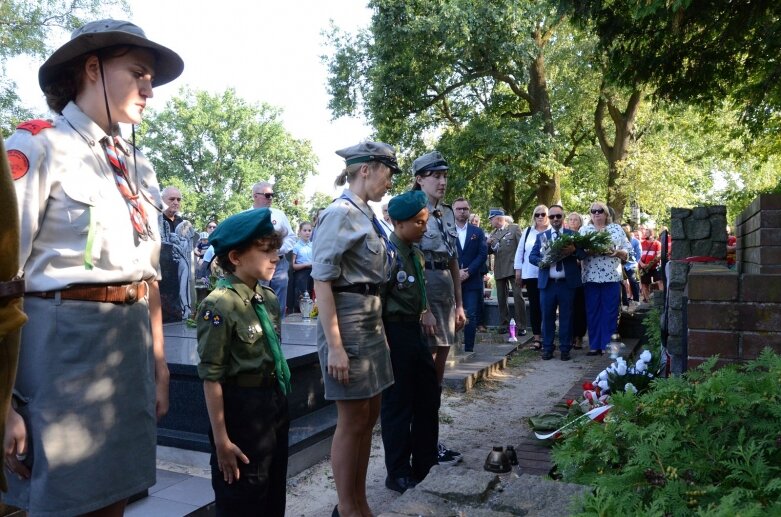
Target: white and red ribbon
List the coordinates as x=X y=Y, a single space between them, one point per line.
x=597 y=415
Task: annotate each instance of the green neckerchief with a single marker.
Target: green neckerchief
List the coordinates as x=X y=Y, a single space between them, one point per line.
x=280 y=364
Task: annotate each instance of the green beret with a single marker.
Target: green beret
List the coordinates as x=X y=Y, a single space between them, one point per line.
x=370 y=152
x=407 y=205
x=241 y=228
x=433 y=161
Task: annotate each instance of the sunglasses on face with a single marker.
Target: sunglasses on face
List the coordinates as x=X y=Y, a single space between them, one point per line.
x=597 y=210
x=267 y=195
x=540 y=215
x=555 y=216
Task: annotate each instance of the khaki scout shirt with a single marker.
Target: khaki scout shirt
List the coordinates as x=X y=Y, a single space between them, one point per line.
x=230 y=338
x=505 y=243
x=348 y=249
x=402 y=296
x=68 y=197
x=435 y=241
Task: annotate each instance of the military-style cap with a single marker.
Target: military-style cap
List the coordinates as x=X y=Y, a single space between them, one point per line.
x=406 y=206
x=433 y=161
x=494 y=212
x=240 y=228
x=370 y=152
x=108 y=33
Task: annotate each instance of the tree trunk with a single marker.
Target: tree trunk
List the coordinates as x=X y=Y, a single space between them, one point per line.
x=549 y=185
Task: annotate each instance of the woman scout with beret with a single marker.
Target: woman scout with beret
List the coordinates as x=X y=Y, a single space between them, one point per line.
x=410 y=408
x=443 y=277
x=246 y=377
x=351 y=260
x=92 y=373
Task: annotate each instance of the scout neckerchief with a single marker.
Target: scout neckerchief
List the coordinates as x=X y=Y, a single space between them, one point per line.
x=390 y=248
x=137 y=213
x=280 y=364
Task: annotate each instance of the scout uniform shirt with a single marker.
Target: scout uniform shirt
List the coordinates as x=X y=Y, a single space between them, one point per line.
x=404 y=295
x=84 y=235
x=230 y=337
x=439 y=241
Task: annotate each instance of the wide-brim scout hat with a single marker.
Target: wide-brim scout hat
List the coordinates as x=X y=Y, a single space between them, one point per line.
x=370 y=152
x=109 y=33
x=433 y=161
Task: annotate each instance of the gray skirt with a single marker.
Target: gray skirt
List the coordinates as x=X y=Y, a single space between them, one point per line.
x=442 y=302
x=88 y=371
x=363 y=338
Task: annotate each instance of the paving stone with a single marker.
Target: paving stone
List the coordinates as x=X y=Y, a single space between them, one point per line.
x=459 y=485
x=535 y=495
x=420 y=503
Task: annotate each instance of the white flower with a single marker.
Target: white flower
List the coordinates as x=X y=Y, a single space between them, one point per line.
x=621 y=369
x=640 y=366
x=621 y=360
x=630 y=388
x=646 y=356
x=602 y=376
x=603 y=385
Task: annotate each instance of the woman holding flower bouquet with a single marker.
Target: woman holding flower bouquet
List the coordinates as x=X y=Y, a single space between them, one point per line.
x=602 y=277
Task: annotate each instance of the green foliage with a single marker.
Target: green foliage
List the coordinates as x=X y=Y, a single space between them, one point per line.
x=25 y=28
x=707 y=443
x=215 y=147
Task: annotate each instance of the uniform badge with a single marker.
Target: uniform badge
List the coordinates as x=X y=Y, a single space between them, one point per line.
x=19 y=163
x=251 y=330
x=217 y=320
x=401 y=276
x=411 y=279
x=207 y=315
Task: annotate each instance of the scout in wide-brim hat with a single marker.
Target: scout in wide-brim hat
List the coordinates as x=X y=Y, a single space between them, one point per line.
x=110 y=33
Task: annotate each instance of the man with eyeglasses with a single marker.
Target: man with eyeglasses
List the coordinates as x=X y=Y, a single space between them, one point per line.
x=472 y=254
x=557 y=283
x=262 y=197
x=502 y=243
x=172 y=200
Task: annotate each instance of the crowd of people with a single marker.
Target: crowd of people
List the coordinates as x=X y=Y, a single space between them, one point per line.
x=392 y=295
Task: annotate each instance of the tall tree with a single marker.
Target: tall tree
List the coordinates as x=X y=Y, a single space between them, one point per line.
x=472 y=77
x=215 y=147
x=25 y=27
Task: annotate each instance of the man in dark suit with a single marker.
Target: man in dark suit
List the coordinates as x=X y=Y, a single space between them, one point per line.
x=557 y=283
x=472 y=254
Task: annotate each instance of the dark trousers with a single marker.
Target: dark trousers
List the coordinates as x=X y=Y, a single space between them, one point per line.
x=502 y=293
x=410 y=407
x=579 y=313
x=472 y=299
x=557 y=294
x=602 y=304
x=257 y=422
x=634 y=285
x=535 y=312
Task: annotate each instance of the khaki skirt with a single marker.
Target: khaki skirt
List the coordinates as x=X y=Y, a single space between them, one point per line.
x=442 y=302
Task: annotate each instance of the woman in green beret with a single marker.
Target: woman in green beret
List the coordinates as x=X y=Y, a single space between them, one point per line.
x=350 y=263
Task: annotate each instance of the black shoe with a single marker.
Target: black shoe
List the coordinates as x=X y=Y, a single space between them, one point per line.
x=565 y=356
x=522 y=332
x=446 y=456
x=594 y=352
x=469 y=349
x=401 y=484
x=335 y=513
x=546 y=356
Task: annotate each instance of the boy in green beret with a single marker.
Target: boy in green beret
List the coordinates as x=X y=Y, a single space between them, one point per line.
x=410 y=407
x=245 y=376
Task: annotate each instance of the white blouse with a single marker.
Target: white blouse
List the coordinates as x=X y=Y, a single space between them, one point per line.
x=602 y=268
x=524 y=249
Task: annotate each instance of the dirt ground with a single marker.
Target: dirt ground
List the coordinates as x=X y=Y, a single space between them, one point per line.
x=493 y=413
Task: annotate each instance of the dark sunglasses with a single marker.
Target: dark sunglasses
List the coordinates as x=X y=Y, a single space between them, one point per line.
x=174 y=199
x=597 y=210
x=267 y=195
x=540 y=215
x=555 y=216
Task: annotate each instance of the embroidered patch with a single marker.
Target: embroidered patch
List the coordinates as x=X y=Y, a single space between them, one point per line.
x=35 y=126
x=19 y=163
x=217 y=320
x=206 y=315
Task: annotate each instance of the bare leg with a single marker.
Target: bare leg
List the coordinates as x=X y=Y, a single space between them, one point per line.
x=365 y=452
x=440 y=360
x=352 y=420
x=113 y=510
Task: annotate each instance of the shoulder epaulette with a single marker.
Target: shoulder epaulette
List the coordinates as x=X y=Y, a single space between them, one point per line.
x=35 y=126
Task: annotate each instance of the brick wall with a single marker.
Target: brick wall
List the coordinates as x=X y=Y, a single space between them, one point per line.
x=737 y=313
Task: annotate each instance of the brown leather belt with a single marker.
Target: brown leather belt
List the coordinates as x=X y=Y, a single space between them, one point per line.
x=129 y=293
x=11 y=289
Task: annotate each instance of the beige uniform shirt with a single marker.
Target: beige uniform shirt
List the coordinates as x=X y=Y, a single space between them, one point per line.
x=348 y=249
x=439 y=243
x=75 y=224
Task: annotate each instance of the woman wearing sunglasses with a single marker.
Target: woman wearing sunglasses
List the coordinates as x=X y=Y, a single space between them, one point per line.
x=602 y=277
x=526 y=272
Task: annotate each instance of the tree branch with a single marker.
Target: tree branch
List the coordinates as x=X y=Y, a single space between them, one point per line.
x=506 y=78
x=599 y=128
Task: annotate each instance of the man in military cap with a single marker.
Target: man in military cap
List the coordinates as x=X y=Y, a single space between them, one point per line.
x=246 y=378
x=502 y=243
x=262 y=197
x=410 y=408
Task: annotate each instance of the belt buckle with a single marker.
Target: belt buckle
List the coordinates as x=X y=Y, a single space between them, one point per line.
x=131 y=293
